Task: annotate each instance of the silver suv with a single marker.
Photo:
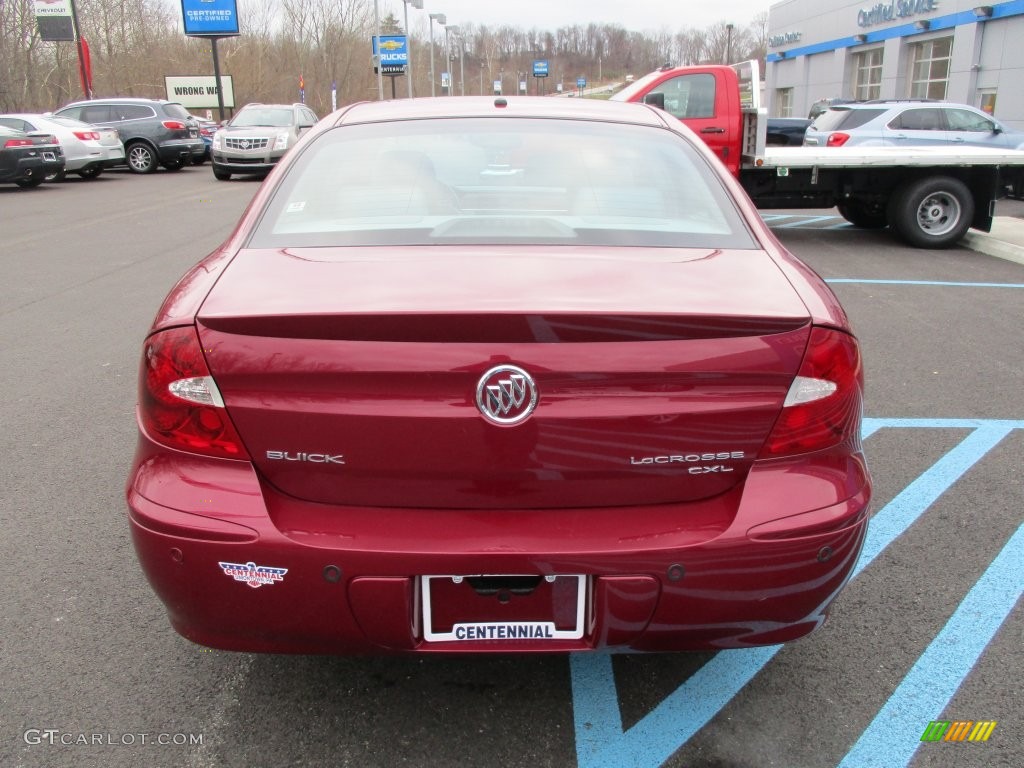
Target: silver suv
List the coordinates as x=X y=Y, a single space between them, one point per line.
x=909 y=124
x=257 y=137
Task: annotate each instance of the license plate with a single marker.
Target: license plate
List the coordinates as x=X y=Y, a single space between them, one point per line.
x=49 y=156
x=503 y=608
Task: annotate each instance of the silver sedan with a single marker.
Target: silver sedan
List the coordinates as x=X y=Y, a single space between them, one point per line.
x=88 y=149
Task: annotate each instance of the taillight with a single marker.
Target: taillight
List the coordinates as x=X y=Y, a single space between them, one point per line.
x=179 y=403
x=17 y=143
x=87 y=135
x=823 y=406
x=837 y=139
x=174 y=125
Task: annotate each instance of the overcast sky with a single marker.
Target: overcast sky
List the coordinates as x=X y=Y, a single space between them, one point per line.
x=636 y=15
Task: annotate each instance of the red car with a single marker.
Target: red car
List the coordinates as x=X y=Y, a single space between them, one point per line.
x=499 y=375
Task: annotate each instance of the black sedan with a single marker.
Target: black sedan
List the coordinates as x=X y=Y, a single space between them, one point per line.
x=786 y=131
x=27 y=159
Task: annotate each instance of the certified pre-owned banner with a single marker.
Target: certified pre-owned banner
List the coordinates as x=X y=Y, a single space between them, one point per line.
x=53 y=17
x=210 y=18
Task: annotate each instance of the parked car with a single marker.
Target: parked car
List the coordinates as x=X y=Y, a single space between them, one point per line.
x=257 y=137
x=28 y=160
x=823 y=104
x=87 y=149
x=909 y=123
x=154 y=132
x=206 y=130
x=786 y=131
x=551 y=342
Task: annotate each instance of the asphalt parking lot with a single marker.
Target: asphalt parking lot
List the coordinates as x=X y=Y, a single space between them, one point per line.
x=930 y=628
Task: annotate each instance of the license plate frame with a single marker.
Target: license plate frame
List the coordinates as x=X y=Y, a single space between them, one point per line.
x=540 y=630
x=52 y=157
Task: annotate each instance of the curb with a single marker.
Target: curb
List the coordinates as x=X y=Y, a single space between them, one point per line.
x=996 y=243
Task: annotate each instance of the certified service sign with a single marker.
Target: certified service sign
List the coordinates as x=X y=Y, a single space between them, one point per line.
x=210 y=18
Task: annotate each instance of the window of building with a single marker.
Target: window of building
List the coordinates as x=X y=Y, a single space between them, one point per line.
x=987 y=101
x=867 y=75
x=784 y=102
x=929 y=74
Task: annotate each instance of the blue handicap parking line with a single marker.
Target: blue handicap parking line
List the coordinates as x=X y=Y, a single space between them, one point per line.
x=805 y=220
x=941 y=669
x=834 y=280
x=601 y=741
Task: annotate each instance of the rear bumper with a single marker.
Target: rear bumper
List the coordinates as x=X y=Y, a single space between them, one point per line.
x=30 y=165
x=182 y=150
x=341 y=580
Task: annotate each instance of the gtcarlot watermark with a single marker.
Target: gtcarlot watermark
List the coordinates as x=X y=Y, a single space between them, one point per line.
x=55 y=737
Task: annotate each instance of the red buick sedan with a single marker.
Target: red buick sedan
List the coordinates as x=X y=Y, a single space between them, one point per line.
x=499 y=375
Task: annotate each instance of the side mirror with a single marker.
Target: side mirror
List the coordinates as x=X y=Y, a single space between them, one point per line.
x=655 y=99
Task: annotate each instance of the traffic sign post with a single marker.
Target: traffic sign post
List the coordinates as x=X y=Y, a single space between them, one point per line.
x=540 y=69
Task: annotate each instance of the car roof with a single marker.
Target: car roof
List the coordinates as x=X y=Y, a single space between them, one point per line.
x=115 y=100
x=272 y=106
x=500 y=106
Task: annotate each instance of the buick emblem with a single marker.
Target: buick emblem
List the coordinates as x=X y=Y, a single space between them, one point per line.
x=506 y=395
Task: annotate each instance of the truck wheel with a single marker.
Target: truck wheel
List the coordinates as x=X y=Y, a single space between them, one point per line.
x=933 y=212
x=864 y=216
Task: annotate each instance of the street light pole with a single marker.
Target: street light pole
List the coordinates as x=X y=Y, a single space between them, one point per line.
x=456 y=32
x=440 y=18
x=418 y=4
x=728 y=43
x=376 y=55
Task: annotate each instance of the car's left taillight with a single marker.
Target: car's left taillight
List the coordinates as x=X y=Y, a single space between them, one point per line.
x=179 y=403
x=87 y=135
x=174 y=125
x=824 y=403
x=837 y=139
x=11 y=143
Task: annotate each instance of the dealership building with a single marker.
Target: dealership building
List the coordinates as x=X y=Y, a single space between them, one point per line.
x=896 y=49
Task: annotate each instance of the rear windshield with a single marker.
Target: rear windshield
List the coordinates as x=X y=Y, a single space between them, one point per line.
x=501 y=181
x=844 y=118
x=176 y=110
x=68 y=122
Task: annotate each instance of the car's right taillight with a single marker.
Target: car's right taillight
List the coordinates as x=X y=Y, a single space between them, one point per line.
x=837 y=139
x=179 y=403
x=824 y=403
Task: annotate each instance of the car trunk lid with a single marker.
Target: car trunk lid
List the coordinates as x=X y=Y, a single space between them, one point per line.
x=352 y=374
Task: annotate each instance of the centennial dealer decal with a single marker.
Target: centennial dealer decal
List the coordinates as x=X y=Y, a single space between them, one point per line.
x=254 y=575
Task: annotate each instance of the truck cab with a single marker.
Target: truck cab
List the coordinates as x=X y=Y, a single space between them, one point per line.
x=706 y=98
